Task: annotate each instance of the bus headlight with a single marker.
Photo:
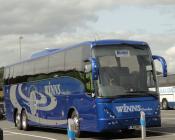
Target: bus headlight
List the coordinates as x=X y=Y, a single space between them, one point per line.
x=109 y=113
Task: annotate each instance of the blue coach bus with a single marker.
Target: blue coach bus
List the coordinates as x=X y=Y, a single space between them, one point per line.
x=102 y=85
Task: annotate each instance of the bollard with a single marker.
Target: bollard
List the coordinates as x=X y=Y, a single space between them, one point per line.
x=1 y=134
x=71 y=129
x=143 y=124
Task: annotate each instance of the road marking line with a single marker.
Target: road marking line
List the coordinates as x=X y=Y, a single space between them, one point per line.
x=30 y=135
x=9 y=128
x=8 y=134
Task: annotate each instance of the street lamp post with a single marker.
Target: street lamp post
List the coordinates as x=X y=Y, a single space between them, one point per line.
x=20 y=56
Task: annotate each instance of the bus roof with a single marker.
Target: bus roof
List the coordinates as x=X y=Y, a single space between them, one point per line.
x=113 y=42
x=86 y=43
x=45 y=52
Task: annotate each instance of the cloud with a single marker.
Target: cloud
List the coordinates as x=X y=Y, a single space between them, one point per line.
x=57 y=16
x=171 y=51
x=170 y=56
x=54 y=23
x=159 y=44
x=47 y=17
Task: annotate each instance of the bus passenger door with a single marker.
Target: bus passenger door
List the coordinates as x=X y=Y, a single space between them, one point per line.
x=87 y=108
x=87 y=101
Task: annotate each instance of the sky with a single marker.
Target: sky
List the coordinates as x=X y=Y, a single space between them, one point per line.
x=57 y=23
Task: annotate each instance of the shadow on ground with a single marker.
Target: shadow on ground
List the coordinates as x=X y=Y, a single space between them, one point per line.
x=104 y=135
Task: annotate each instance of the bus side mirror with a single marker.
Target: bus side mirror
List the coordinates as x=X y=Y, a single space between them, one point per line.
x=163 y=62
x=95 y=69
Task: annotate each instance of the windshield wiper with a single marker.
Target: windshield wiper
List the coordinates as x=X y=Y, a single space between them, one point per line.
x=137 y=91
x=132 y=94
x=123 y=96
x=143 y=91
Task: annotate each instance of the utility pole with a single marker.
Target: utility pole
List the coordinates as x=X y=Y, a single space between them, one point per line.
x=20 y=55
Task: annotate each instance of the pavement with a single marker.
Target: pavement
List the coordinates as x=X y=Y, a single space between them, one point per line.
x=167 y=131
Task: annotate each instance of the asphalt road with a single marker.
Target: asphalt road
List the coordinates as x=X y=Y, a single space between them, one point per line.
x=167 y=131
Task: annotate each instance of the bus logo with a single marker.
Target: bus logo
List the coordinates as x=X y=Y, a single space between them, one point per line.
x=131 y=108
x=53 y=89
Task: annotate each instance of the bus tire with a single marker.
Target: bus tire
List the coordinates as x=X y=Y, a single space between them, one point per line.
x=18 y=120
x=75 y=117
x=164 y=104
x=24 y=120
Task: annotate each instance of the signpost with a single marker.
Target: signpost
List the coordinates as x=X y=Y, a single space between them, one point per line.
x=143 y=124
x=71 y=129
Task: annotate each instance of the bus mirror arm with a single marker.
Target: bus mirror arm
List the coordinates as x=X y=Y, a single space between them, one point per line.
x=95 y=69
x=163 y=62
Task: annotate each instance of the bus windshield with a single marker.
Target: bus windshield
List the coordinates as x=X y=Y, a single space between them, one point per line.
x=124 y=70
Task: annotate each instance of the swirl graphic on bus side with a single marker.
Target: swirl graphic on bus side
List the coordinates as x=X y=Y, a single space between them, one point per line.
x=39 y=103
x=32 y=117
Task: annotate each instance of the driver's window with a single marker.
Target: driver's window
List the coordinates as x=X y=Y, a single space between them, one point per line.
x=88 y=78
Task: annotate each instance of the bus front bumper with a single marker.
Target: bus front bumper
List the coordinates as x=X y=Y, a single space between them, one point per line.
x=119 y=124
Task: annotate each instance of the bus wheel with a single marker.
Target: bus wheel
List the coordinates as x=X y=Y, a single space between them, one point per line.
x=18 y=120
x=24 y=119
x=164 y=104
x=75 y=117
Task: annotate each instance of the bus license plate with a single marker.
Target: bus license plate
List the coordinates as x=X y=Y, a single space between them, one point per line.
x=134 y=127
